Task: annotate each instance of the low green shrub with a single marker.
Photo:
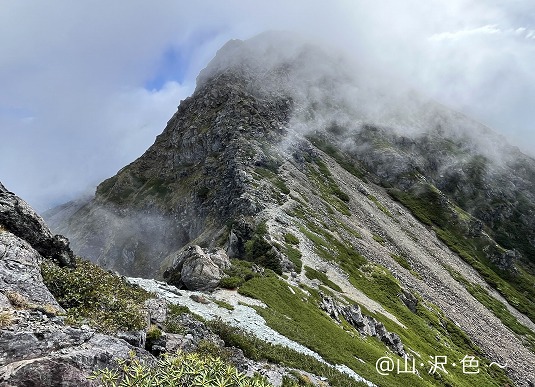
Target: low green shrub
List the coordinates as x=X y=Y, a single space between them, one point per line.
x=402 y=261
x=153 y=335
x=260 y=251
x=223 y=304
x=181 y=369
x=239 y=272
x=294 y=256
x=92 y=295
x=231 y=282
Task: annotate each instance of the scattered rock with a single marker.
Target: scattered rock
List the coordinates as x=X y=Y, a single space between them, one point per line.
x=506 y=261
x=200 y=299
x=409 y=300
x=157 y=310
x=135 y=338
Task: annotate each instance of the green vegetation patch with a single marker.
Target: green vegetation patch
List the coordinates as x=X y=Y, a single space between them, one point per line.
x=272 y=176
x=329 y=191
x=311 y=274
x=238 y=273
x=223 y=304
x=294 y=256
x=402 y=261
x=172 y=322
x=379 y=239
x=380 y=206
x=90 y=294
x=291 y=239
x=260 y=251
x=342 y=159
x=328 y=247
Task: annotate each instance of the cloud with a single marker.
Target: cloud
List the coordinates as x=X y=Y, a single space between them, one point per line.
x=87 y=85
x=484 y=30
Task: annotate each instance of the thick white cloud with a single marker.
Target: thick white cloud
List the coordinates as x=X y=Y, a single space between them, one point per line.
x=76 y=102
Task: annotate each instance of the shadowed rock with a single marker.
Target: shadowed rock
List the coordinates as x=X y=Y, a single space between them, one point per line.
x=20 y=219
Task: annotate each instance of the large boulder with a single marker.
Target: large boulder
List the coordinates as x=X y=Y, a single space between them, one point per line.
x=20 y=219
x=197 y=269
x=20 y=275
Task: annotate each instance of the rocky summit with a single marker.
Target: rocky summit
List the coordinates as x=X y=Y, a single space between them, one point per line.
x=339 y=224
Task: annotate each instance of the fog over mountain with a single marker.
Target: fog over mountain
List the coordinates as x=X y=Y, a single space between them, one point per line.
x=87 y=86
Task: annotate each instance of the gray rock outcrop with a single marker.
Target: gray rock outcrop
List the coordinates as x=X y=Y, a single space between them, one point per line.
x=20 y=275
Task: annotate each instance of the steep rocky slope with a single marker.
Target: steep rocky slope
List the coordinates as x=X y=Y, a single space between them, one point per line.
x=288 y=157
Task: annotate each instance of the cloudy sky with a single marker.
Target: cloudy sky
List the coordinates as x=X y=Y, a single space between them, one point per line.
x=85 y=86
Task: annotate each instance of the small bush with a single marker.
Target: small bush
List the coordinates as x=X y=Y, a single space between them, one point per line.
x=91 y=294
x=177 y=310
x=260 y=251
x=239 y=273
x=153 y=336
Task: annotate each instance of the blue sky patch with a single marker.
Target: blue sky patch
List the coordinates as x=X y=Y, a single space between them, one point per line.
x=172 y=67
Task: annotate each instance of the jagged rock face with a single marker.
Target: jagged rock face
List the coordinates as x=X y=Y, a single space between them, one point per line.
x=19 y=218
x=37 y=351
x=257 y=94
